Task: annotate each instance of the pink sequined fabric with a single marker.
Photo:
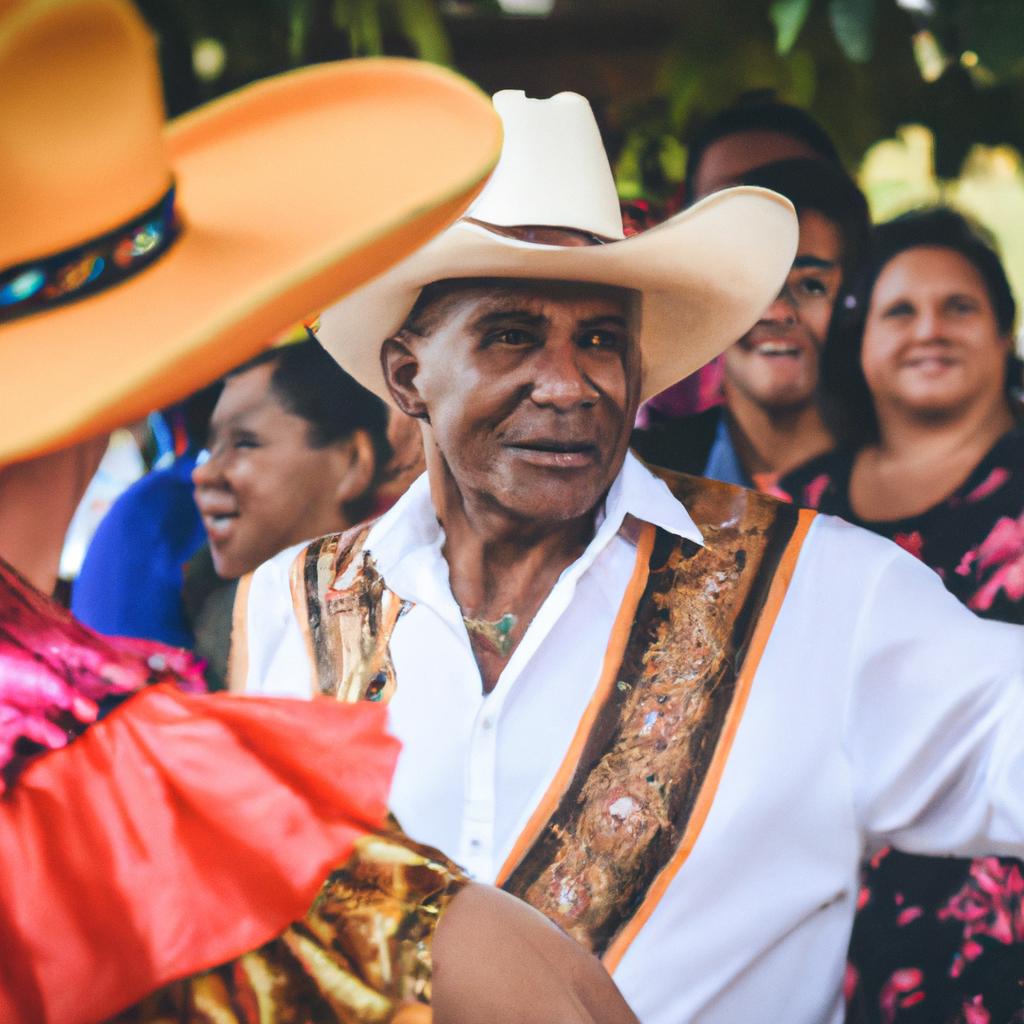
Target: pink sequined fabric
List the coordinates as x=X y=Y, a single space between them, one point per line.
x=56 y=673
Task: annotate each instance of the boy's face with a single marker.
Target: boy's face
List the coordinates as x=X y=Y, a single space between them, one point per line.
x=775 y=365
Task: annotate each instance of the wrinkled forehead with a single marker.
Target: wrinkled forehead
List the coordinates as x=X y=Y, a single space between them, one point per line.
x=442 y=301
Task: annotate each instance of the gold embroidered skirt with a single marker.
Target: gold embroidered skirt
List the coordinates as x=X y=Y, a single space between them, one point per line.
x=361 y=955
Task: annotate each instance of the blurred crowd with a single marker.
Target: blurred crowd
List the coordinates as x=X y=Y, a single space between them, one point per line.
x=881 y=385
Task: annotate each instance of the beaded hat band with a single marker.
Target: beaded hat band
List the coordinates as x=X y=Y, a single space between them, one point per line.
x=91 y=267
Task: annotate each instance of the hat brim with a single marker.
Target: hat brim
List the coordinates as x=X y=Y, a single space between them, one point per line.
x=705 y=276
x=293 y=192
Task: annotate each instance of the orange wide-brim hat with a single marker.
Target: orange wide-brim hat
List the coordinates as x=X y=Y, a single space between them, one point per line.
x=140 y=260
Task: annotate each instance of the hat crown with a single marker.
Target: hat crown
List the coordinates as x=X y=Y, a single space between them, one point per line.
x=553 y=169
x=81 y=137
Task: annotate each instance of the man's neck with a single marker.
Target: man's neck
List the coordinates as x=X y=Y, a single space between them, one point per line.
x=501 y=568
x=775 y=441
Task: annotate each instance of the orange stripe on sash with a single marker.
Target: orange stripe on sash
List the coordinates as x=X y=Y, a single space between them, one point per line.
x=766 y=621
x=612 y=660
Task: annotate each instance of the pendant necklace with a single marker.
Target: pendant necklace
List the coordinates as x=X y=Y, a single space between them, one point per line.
x=496 y=633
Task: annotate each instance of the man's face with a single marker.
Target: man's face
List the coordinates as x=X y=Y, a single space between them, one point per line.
x=775 y=365
x=531 y=388
x=728 y=159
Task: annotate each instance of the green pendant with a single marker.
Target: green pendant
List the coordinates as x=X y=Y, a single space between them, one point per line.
x=497 y=633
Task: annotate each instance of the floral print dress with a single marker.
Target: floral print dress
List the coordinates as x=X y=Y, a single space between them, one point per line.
x=941 y=940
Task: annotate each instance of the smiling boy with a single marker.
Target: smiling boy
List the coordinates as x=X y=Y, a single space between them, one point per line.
x=769 y=421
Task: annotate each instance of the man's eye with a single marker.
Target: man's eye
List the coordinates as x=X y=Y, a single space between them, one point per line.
x=515 y=337
x=600 y=339
x=246 y=441
x=812 y=287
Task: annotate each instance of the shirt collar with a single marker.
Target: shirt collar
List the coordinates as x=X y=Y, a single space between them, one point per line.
x=411 y=524
x=637 y=492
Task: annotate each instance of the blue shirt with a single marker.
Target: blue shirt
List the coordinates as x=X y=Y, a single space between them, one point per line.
x=723 y=462
x=132 y=577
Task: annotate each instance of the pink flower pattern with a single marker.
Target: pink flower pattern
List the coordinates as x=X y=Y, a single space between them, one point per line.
x=975 y=1013
x=1002 y=553
x=999 y=476
x=990 y=903
x=814 y=490
x=942 y=941
x=912 y=542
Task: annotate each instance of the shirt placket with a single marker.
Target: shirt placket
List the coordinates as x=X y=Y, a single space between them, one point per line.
x=477 y=842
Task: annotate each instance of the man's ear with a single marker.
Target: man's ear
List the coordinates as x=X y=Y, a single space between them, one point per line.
x=357 y=465
x=401 y=366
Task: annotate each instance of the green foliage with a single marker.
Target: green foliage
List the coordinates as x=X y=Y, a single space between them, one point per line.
x=421 y=24
x=853 y=22
x=360 y=19
x=788 y=17
x=850 y=62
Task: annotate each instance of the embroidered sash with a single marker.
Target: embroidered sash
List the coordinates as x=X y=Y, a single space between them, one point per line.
x=350 y=614
x=631 y=797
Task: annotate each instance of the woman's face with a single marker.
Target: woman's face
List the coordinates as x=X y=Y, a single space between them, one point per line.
x=265 y=486
x=932 y=346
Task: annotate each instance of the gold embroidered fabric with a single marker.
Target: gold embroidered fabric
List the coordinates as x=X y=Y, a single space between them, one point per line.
x=638 y=779
x=361 y=955
x=350 y=615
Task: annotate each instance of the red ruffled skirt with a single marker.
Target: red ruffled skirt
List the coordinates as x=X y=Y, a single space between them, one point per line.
x=175 y=834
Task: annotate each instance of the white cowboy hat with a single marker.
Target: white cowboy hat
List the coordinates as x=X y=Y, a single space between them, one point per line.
x=705 y=275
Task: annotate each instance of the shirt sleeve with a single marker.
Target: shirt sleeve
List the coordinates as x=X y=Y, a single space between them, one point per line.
x=934 y=726
x=269 y=651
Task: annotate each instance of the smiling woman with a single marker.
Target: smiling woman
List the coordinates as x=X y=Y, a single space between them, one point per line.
x=919 y=372
x=296 y=450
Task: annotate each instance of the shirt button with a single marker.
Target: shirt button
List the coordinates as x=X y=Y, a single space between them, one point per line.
x=488 y=722
x=475 y=844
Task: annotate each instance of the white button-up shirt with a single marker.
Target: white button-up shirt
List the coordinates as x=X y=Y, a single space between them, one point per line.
x=881 y=710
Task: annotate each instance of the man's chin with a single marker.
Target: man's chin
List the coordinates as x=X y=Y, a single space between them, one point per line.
x=787 y=400
x=556 y=503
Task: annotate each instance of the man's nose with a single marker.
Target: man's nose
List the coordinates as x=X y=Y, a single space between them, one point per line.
x=560 y=381
x=782 y=311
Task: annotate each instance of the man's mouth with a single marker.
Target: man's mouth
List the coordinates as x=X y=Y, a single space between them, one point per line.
x=555 y=453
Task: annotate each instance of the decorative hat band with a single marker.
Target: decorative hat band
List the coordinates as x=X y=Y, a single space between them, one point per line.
x=90 y=267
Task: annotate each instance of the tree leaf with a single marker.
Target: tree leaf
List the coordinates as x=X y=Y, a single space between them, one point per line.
x=300 y=14
x=421 y=24
x=788 y=17
x=365 y=32
x=853 y=22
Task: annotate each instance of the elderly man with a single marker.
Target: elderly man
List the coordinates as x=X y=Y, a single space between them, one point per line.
x=671 y=719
